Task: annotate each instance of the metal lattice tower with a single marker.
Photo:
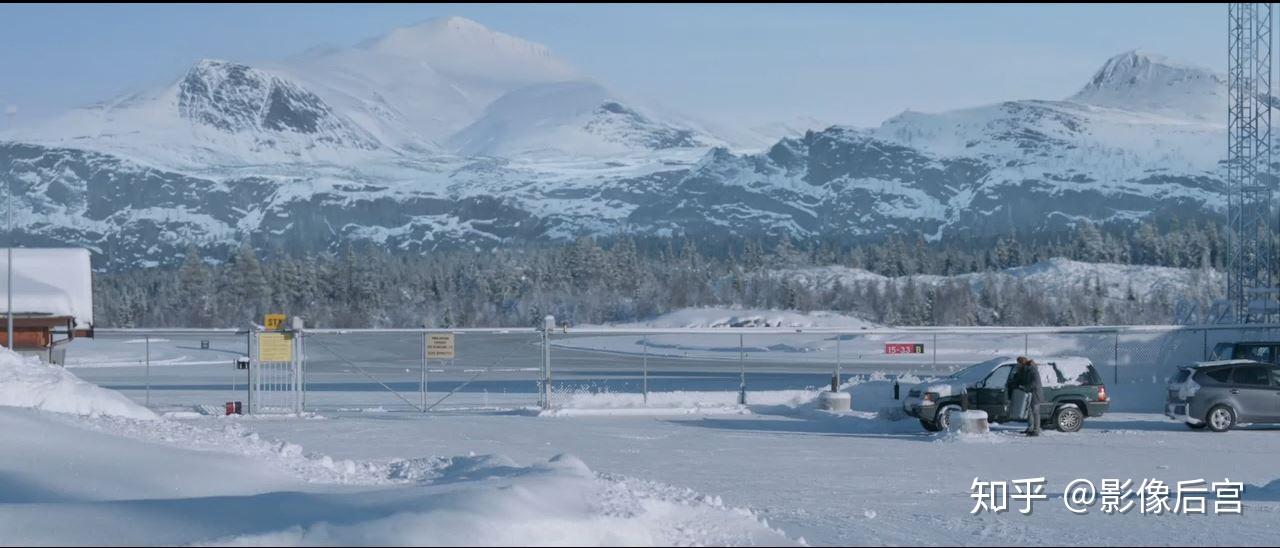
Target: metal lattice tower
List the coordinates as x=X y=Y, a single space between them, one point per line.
x=1250 y=262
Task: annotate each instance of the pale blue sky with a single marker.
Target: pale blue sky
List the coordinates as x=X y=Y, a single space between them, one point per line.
x=854 y=64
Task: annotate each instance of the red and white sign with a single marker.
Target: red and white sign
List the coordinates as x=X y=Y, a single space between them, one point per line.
x=904 y=348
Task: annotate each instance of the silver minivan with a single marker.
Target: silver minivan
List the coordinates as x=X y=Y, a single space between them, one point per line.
x=1223 y=394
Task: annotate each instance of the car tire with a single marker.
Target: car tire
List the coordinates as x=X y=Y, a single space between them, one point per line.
x=1220 y=418
x=930 y=426
x=1068 y=418
x=942 y=421
x=1195 y=425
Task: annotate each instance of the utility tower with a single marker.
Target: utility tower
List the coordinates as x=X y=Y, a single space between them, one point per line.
x=1251 y=276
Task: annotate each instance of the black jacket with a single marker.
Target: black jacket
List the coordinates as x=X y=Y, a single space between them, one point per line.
x=1027 y=378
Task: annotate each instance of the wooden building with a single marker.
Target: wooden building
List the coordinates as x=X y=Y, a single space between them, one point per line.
x=52 y=299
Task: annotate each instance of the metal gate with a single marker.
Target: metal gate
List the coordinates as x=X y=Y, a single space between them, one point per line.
x=275 y=372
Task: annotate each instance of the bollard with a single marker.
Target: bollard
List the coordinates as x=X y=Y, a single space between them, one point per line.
x=896 y=388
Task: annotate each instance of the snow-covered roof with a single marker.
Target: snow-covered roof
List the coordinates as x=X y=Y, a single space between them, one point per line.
x=1224 y=362
x=55 y=281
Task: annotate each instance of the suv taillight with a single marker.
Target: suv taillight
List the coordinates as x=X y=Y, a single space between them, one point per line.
x=1102 y=393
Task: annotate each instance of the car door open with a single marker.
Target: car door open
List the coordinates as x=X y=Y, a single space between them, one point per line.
x=992 y=396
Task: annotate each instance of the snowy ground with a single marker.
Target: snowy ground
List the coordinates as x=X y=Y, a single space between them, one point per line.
x=686 y=467
x=110 y=475
x=860 y=478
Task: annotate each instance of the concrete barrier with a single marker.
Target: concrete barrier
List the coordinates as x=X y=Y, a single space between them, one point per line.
x=968 y=422
x=835 y=401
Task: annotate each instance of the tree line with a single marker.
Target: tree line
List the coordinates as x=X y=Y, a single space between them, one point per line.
x=621 y=279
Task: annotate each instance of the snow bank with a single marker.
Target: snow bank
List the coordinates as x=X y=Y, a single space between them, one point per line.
x=733 y=317
x=557 y=503
x=679 y=399
x=26 y=382
x=251 y=491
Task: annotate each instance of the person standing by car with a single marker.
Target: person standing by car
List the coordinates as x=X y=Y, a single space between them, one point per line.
x=1034 y=388
x=1013 y=389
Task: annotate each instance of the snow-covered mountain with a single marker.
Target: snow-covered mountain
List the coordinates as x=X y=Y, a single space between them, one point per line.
x=409 y=92
x=1147 y=82
x=449 y=134
x=569 y=118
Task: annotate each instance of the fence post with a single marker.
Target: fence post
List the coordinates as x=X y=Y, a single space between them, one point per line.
x=742 y=372
x=644 y=388
x=1026 y=343
x=252 y=372
x=1204 y=348
x=935 y=352
x=548 y=323
x=1115 y=360
x=424 y=369
x=298 y=361
x=835 y=382
x=147 y=342
x=302 y=370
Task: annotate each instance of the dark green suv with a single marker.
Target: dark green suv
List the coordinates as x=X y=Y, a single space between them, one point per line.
x=1073 y=390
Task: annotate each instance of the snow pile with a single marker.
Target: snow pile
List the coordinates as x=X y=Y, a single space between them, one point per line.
x=959 y=436
x=557 y=503
x=251 y=491
x=872 y=401
x=26 y=382
x=582 y=402
x=734 y=317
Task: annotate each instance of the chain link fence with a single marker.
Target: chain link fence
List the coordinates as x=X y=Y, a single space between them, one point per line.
x=377 y=370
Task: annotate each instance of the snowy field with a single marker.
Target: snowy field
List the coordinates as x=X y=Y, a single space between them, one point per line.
x=89 y=465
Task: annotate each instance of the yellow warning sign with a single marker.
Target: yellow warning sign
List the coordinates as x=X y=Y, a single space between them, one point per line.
x=440 y=346
x=273 y=322
x=275 y=347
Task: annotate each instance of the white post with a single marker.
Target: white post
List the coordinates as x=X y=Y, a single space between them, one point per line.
x=9 y=266
x=298 y=362
x=424 y=370
x=147 y=341
x=644 y=344
x=742 y=372
x=548 y=323
x=255 y=389
x=935 y=351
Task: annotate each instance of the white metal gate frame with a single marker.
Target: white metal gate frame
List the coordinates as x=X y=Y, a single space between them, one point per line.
x=276 y=386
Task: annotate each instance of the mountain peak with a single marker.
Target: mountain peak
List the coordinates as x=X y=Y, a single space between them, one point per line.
x=1145 y=81
x=465 y=48
x=433 y=37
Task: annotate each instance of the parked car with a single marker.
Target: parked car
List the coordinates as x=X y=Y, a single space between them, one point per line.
x=1223 y=394
x=1073 y=390
x=1259 y=351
